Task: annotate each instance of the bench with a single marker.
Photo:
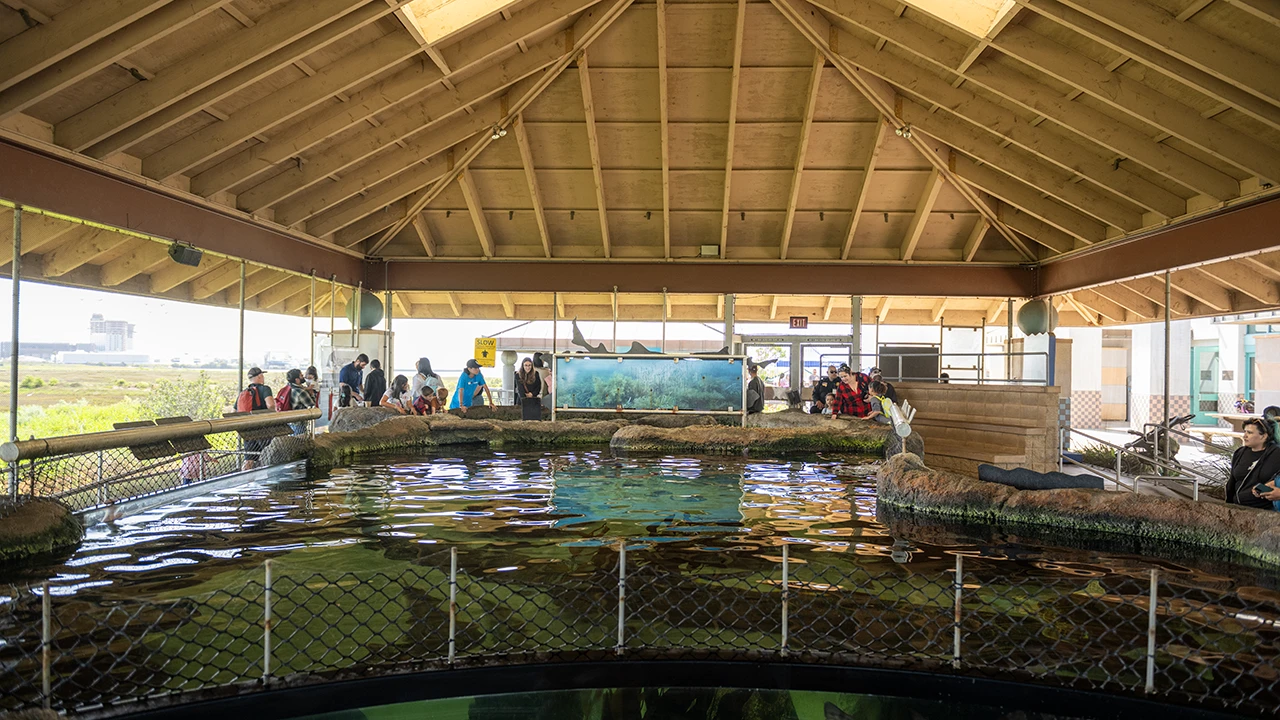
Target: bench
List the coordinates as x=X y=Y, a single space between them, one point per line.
x=1210 y=433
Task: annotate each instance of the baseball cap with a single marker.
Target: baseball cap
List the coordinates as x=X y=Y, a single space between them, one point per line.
x=473 y=365
x=254 y=372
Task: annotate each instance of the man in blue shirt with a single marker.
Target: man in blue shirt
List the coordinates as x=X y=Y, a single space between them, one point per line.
x=469 y=387
x=351 y=379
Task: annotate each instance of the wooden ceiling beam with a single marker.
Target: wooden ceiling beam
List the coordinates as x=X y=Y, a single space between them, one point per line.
x=261 y=282
x=864 y=188
x=1089 y=125
x=172 y=275
x=86 y=245
x=455 y=303
x=773 y=307
x=279 y=106
x=827 y=307
x=213 y=72
x=665 y=140
x=883 y=311
x=1101 y=305
x=508 y=307
x=1152 y=288
x=924 y=207
x=1027 y=199
x=289 y=286
x=593 y=146
x=1264 y=10
x=38 y=232
x=806 y=130
x=1140 y=101
x=71 y=30
x=476 y=210
x=423 y=231
x=939 y=308
x=1227 y=61
x=974 y=241
x=579 y=36
x=225 y=276
x=119 y=45
x=1024 y=167
x=1038 y=230
x=735 y=78
x=1204 y=289
x=143 y=257
x=1131 y=301
x=531 y=180
x=1089 y=316
x=397 y=299
x=362 y=106
x=1244 y=279
x=384 y=195
x=1061 y=150
x=819 y=31
x=1170 y=66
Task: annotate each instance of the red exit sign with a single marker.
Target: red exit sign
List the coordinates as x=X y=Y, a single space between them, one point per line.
x=799 y=322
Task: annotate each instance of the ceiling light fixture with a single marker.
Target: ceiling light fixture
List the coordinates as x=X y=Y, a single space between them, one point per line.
x=904 y=132
x=498 y=131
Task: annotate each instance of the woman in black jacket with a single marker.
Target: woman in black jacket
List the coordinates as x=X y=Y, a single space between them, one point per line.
x=1256 y=461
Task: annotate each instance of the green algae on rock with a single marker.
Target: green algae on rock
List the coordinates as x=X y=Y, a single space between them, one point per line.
x=852 y=437
x=38 y=527
x=905 y=482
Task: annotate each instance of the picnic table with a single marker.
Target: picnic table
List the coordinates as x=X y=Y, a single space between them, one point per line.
x=1236 y=420
x=1235 y=434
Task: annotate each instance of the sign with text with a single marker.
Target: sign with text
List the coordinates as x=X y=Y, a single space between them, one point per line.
x=486 y=350
x=799 y=322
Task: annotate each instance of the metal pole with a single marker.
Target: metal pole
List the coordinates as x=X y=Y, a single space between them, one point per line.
x=102 y=488
x=1151 y=635
x=555 y=324
x=16 y=276
x=1119 y=456
x=311 y=310
x=855 y=329
x=1008 y=343
x=355 y=323
x=786 y=593
x=622 y=591
x=266 y=625
x=453 y=603
x=386 y=338
x=614 y=347
x=877 y=355
x=333 y=307
x=241 y=375
x=1167 y=293
x=959 y=587
x=982 y=349
x=729 y=310
x=663 y=347
x=46 y=643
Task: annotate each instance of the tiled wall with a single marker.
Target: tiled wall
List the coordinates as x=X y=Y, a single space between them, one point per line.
x=1150 y=408
x=1086 y=408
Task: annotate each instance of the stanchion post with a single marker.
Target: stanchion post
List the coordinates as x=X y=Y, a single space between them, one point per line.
x=453 y=603
x=622 y=592
x=266 y=625
x=14 y=345
x=46 y=645
x=1151 y=633
x=959 y=587
x=786 y=597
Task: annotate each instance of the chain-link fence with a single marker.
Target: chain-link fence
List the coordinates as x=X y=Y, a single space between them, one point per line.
x=1136 y=633
x=126 y=464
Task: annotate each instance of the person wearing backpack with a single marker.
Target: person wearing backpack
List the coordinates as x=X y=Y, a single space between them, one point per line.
x=256 y=396
x=295 y=395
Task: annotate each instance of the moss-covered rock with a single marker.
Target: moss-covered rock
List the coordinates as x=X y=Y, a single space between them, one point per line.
x=497 y=412
x=672 y=420
x=533 y=433
x=398 y=433
x=905 y=482
x=852 y=437
x=38 y=527
x=287 y=448
x=349 y=419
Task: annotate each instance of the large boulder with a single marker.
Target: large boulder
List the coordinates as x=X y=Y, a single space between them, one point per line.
x=349 y=419
x=860 y=437
x=534 y=433
x=672 y=420
x=398 y=433
x=287 y=448
x=788 y=419
x=905 y=482
x=38 y=527
x=498 y=412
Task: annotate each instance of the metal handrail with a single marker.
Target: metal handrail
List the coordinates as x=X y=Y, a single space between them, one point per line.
x=131 y=437
x=1181 y=473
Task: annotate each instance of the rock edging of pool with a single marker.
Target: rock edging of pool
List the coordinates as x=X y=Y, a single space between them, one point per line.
x=366 y=430
x=905 y=482
x=38 y=527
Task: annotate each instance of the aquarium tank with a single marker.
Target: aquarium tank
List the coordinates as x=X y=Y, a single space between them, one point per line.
x=664 y=382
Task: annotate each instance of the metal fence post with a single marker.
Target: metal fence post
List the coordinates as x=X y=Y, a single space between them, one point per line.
x=46 y=645
x=102 y=488
x=786 y=596
x=959 y=587
x=622 y=592
x=1151 y=634
x=266 y=626
x=453 y=603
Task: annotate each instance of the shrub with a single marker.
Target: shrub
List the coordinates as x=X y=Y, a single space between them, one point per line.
x=53 y=382
x=201 y=399
x=69 y=418
x=31 y=383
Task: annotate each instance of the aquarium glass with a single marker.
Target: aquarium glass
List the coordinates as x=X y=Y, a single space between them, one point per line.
x=650 y=383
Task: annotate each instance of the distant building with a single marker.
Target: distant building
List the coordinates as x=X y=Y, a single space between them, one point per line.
x=102 y=358
x=110 y=335
x=44 y=350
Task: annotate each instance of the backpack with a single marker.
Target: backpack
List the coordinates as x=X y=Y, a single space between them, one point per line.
x=249 y=400
x=284 y=398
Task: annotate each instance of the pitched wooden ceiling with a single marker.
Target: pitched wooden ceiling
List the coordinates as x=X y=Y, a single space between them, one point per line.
x=789 y=131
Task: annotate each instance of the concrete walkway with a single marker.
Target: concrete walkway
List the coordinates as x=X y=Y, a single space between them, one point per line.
x=1190 y=454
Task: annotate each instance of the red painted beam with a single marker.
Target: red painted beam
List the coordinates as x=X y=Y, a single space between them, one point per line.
x=1235 y=231
x=31 y=178
x=711 y=277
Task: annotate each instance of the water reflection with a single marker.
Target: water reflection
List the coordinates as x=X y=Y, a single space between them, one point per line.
x=525 y=512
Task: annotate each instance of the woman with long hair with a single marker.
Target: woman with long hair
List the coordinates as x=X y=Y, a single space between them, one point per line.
x=397 y=396
x=424 y=388
x=529 y=390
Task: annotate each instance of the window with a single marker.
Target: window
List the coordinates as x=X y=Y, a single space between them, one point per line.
x=976 y=17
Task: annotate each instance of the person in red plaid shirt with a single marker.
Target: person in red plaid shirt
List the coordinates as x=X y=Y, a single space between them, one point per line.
x=851 y=395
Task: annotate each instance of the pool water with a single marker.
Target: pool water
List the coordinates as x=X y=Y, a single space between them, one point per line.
x=533 y=512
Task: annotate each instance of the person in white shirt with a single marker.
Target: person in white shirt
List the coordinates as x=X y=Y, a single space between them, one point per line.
x=397 y=396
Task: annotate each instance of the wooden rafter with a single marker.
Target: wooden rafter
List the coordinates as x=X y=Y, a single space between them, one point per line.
x=142 y=258
x=214 y=282
x=972 y=244
x=531 y=180
x=173 y=274
x=883 y=312
x=939 y=308
x=734 y=80
x=1130 y=300
x=1028 y=199
x=1085 y=314
x=924 y=207
x=593 y=146
x=663 y=112
x=828 y=306
x=508 y=306
x=1204 y=289
x=423 y=231
x=455 y=303
x=1244 y=279
x=773 y=307
x=1100 y=305
x=1152 y=288
x=587 y=28
x=1264 y=10
x=806 y=130
x=476 y=210
x=83 y=246
x=864 y=188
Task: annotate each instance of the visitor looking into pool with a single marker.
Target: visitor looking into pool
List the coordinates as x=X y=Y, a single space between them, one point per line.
x=470 y=385
x=375 y=384
x=755 y=390
x=351 y=379
x=889 y=392
x=850 y=395
x=1255 y=462
x=529 y=391
x=424 y=387
x=823 y=388
x=396 y=397
x=300 y=398
x=879 y=401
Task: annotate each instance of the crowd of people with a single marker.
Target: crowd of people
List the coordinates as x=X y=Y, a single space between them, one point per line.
x=843 y=393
